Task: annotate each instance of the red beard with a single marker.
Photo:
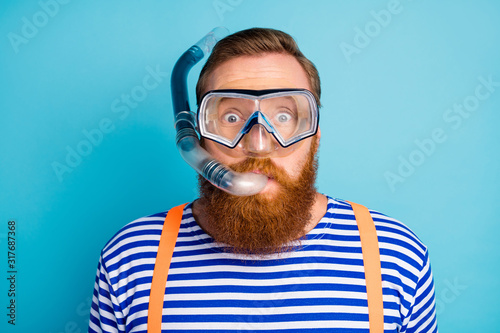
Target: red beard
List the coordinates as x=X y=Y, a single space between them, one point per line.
x=258 y=224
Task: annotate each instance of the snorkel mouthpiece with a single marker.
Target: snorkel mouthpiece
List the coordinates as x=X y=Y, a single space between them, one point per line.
x=241 y=184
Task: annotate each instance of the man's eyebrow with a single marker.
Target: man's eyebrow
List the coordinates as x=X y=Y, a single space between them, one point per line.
x=240 y=99
x=279 y=100
x=289 y=98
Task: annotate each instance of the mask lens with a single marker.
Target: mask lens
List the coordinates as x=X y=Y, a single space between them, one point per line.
x=225 y=117
x=289 y=115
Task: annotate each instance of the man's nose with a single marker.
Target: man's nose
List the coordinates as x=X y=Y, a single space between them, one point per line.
x=258 y=141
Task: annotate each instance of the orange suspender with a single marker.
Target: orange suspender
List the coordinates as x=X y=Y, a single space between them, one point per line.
x=162 y=264
x=371 y=261
x=369 y=248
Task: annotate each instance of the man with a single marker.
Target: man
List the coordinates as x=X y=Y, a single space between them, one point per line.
x=287 y=259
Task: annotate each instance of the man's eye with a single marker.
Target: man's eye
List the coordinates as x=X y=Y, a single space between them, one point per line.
x=283 y=117
x=231 y=118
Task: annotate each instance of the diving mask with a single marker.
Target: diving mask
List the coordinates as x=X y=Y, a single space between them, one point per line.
x=248 y=118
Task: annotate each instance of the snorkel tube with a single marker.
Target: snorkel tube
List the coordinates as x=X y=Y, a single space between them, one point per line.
x=241 y=184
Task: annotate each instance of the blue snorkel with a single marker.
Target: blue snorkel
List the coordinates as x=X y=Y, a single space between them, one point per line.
x=241 y=184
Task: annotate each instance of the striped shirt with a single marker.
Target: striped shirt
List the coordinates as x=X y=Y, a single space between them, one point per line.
x=319 y=287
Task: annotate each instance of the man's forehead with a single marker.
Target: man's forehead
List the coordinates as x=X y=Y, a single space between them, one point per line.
x=268 y=71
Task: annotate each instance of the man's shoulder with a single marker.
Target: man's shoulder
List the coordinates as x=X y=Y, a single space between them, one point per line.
x=395 y=238
x=139 y=233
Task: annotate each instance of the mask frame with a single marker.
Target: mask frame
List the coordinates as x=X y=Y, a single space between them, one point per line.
x=257 y=117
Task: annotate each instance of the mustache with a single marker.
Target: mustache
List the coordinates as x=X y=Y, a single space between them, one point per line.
x=264 y=166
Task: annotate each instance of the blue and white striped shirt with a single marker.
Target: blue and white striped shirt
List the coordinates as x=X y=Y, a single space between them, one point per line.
x=319 y=287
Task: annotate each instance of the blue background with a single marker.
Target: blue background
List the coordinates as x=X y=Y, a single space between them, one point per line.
x=66 y=76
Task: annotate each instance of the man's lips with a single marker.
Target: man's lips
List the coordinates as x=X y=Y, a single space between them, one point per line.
x=268 y=175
